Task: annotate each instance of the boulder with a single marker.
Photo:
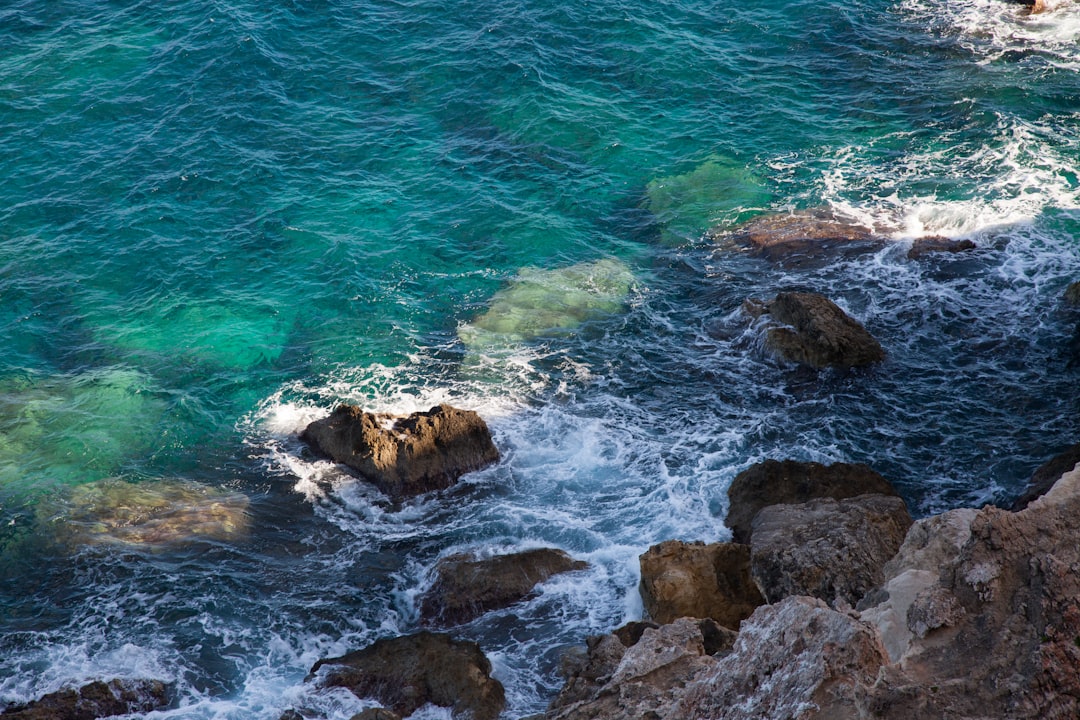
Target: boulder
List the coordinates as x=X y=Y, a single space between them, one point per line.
x=405 y=673
x=1046 y=475
x=810 y=329
x=830 y=549
x=680 y=579
x=95 y=700
x=937 y=244
x=775 y=482
x=405 y=456
x=376 y=714
x=466 y=587
x=800 y=235
x=1072 y=295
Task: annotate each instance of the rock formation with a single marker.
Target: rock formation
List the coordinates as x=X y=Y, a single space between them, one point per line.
x=799 y=235
x=937 y=244
x=466 y=587
x=94 y=700
x=405 y=456
x=810 y=329
x=696 y=580
x=405 y=673
x=1072 y=295
x=775 y=482
x=1046 y=475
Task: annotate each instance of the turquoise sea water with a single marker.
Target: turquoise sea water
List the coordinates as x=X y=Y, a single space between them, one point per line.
x=219 y=219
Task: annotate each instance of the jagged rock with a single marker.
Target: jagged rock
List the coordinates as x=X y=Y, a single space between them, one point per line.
x=795 y=659
x=404 y=673
x=95 y=700
x=937 y=244
x=680 y=579
x=803 y=234
x=1046 y=475
x=405 y=456
x=1072 y=295
x=810 y=329
x=466 y=587
x=637 y=681
x=830 y=549
x=775 y=482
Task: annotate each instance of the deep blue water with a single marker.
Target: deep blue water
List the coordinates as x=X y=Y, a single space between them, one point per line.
x=218 y=219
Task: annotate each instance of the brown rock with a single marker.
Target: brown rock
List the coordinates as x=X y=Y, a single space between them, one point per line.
x=94 y=700
x=680 y=579
x=404 y=673
x=1047 y=474
x=376 y=714
x=800 y=235
x=775 y=482
x=466 y=587
x=1072 y=295
x=937 y=244
x=830 y=549
x=810 y=329
x=405 y=456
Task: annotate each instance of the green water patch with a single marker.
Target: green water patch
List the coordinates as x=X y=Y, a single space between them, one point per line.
x=718 y=190
x=71 y=429
x=545 y=302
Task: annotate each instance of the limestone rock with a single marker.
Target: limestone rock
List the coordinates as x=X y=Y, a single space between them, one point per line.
x=937 y=244
x=810 y=329
x=1047 y=474
x=404 y=673
x=94 y=700
x=775 y=482
x=405 y=456
x=803 y=234
x=680 y=579
x=466 y=587
x=829 y=549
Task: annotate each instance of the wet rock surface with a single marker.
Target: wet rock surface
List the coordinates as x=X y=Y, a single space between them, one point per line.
x=800 y=235
x=466 y=587
x=810 y=329
x=405 y=673
x=94 y=700
x=774 y=482
x=405 y=456
x=680 y=579
x=931 y=244
x=1046 y=475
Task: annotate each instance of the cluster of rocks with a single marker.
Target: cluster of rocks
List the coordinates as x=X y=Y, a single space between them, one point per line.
x=832 y=603
x=94 y=700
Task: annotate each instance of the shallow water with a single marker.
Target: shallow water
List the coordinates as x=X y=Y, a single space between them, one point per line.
x=220 y=220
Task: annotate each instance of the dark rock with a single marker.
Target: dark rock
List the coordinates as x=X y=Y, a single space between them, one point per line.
x=376 y=714
x=775 y=482
x=631 y=632
x=1072 y=295
x=1046 y=475
x=405 y=456
x=94 y=700
x=404 y=673
x=807 y=233
x=466 y=587
x=680 y=579
x=936 y=244
x=291 y=715
x=830 y=549
x=810 y=329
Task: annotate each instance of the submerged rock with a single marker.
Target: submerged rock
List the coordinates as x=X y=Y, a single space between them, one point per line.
x=466 y=587
x=405 y=673
x=94 y=700
x=830 y=549
x=154 y=514
x=937 y=244
x=775 y=482
x=543 y=302
x=810 y=329
x=1072 y=295
x=805 y=234
x=405 y=456
x=680 y=579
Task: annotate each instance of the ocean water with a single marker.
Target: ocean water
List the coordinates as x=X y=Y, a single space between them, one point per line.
x=220 y=218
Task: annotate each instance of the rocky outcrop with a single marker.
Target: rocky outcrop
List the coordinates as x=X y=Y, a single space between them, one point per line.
x=405 y=673
x=1046 y=475
x=405 y=456
x=775 y=482
x=830 y=549
x=94 y=700
x=930 y=244
x=810 y=329
x=466 y=587
x=799 y=235
x=680 y=579
x=1072 y=295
